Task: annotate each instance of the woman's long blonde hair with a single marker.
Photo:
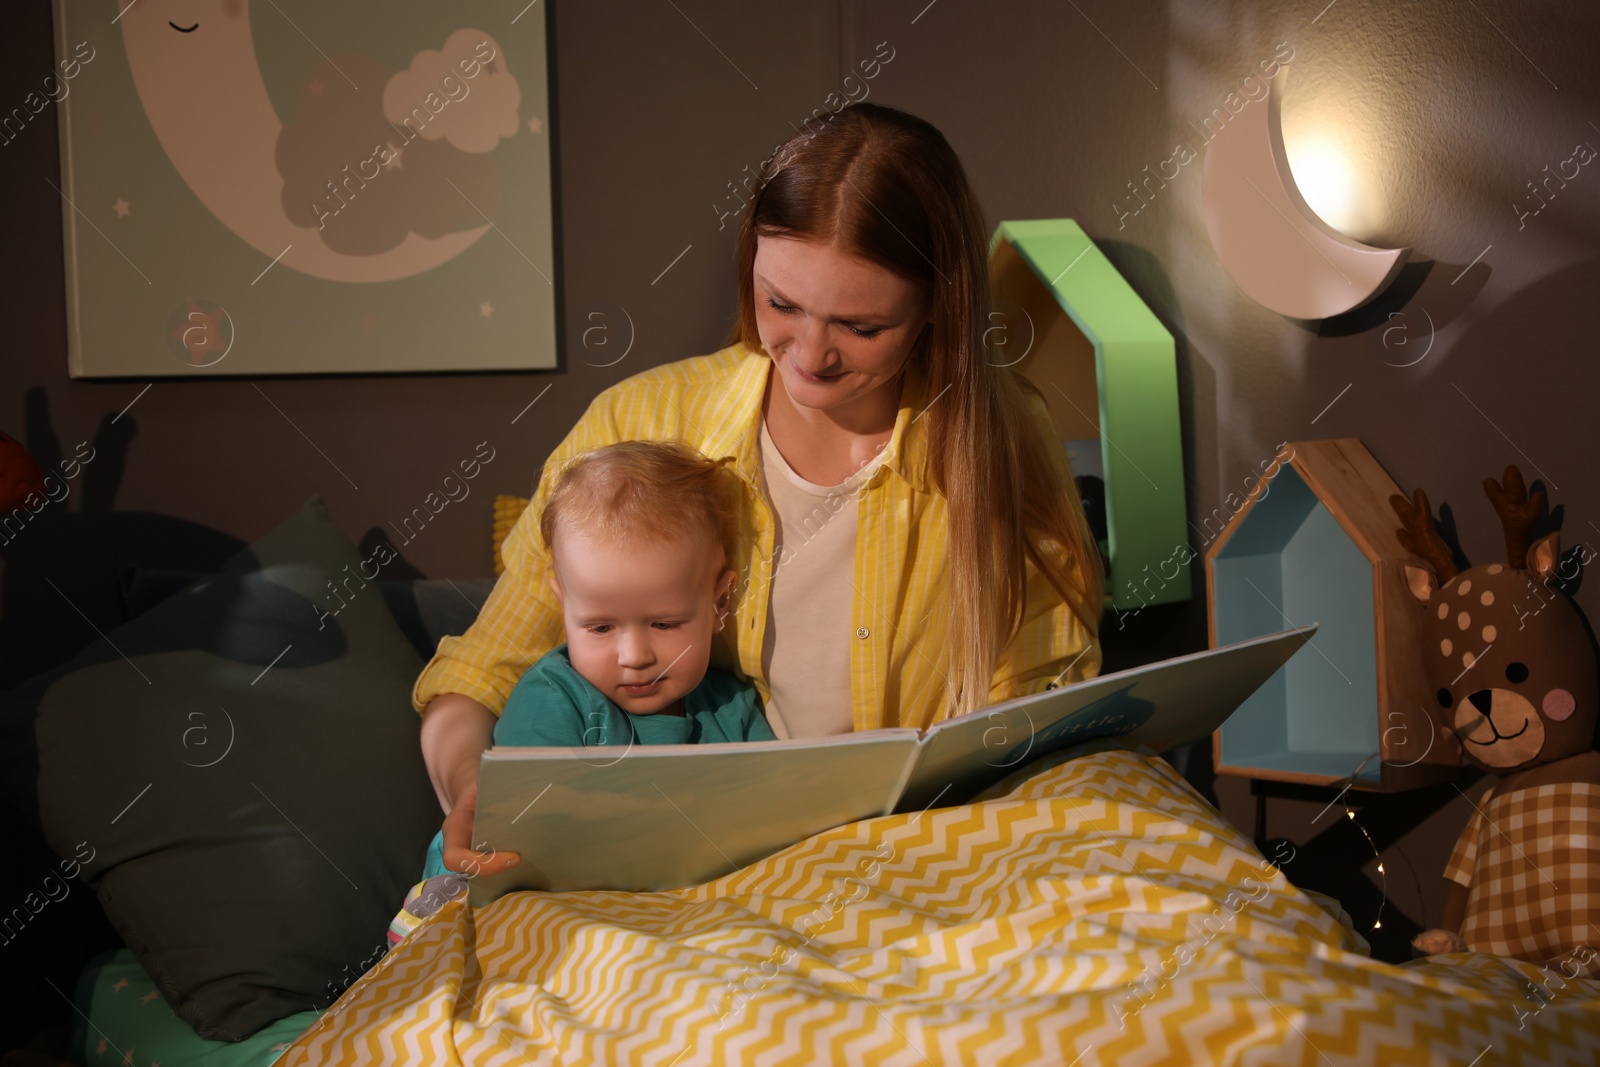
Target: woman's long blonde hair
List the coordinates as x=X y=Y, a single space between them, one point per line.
x=886 y=187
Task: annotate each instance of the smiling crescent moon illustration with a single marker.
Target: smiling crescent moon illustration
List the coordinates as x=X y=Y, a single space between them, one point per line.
x=1270 y=241
x=194 y=66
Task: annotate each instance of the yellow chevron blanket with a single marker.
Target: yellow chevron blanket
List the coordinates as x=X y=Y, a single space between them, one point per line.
x=1092 y=909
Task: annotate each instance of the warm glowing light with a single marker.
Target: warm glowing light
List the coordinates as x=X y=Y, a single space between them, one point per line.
x=1349 y=814
x=1318 y=177
x=1323 y=173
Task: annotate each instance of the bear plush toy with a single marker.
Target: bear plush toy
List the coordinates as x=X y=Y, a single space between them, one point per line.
x=1513 y=673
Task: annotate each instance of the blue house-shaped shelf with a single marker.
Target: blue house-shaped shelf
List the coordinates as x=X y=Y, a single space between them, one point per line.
x=1319 y=543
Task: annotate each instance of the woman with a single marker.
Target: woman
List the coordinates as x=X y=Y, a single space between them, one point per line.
x=912 y=542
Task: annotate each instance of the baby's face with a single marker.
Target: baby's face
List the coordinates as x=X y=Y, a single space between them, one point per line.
x=640 y=613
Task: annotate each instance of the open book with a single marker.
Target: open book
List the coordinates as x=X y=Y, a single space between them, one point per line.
x=654 y=817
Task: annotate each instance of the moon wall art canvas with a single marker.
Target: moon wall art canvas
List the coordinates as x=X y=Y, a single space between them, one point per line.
x=258 y=187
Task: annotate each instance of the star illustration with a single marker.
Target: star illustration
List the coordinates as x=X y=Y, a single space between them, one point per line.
x=120 y=984
x=315 y=85
x=121 y=207
x=485 y=309
x=394 y=157
x=534 y=125
x=127 y=1057
x=100 y=1049
x=201 y=333
x=148 y=997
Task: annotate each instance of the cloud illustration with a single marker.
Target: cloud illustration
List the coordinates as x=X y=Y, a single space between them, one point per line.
x=462 y=94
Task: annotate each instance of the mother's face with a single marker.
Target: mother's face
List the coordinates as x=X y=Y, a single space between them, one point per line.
x=836 y=326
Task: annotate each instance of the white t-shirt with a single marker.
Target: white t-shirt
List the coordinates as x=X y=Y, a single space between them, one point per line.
x=807 y=665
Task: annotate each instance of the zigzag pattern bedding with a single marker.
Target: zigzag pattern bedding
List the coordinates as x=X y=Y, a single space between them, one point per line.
x=1092 y=909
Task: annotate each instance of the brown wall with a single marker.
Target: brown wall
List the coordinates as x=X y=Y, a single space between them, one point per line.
x=1447 y=115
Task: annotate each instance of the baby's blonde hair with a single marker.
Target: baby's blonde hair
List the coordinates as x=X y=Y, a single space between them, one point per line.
x=653 y=491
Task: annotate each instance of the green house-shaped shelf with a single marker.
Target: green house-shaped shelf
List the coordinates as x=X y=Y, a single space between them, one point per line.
x=1107 y=367
x=1319 y=543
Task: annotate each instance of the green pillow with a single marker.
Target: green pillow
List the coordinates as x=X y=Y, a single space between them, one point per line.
x=239 y=775
x=116 y=1014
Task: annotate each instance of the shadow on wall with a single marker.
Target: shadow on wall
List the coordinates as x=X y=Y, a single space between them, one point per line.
x=67 y=562
x=62 y=562
x=1505 y=391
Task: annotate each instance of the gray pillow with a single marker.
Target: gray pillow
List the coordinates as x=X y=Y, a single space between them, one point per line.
x=238 y=773
x=430 y=608
x=426 y=609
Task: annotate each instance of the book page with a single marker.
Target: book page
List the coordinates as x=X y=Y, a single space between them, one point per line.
x=1161 y=705
x=655 y=817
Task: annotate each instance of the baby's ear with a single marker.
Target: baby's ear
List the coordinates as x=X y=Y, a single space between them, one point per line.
x=555 y=587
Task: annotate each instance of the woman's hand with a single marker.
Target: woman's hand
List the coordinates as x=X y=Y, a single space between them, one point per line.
x=1436 y=942
x=459 y=854
x=455 y=731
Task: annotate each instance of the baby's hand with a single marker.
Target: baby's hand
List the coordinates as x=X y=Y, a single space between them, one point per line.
x=458 y=852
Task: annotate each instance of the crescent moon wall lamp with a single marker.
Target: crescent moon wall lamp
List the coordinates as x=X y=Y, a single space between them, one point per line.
x=1270 y=241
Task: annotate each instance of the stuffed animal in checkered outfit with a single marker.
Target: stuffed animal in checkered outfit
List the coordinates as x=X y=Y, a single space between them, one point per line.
x=1512 y=670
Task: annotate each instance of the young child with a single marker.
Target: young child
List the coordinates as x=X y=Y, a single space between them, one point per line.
x=641 y=539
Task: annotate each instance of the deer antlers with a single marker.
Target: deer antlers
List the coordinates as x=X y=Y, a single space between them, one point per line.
x=1419 y=536
x=1518 y=512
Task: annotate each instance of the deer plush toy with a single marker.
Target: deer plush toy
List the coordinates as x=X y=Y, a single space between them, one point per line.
x=1513 y=673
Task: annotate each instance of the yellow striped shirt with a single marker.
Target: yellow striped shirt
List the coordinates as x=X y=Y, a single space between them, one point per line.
x=897 y=664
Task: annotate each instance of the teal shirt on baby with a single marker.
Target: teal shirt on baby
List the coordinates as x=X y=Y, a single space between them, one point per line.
x=553 y=705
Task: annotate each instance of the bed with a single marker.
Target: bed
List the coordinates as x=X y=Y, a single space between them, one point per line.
x=1092 y=909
